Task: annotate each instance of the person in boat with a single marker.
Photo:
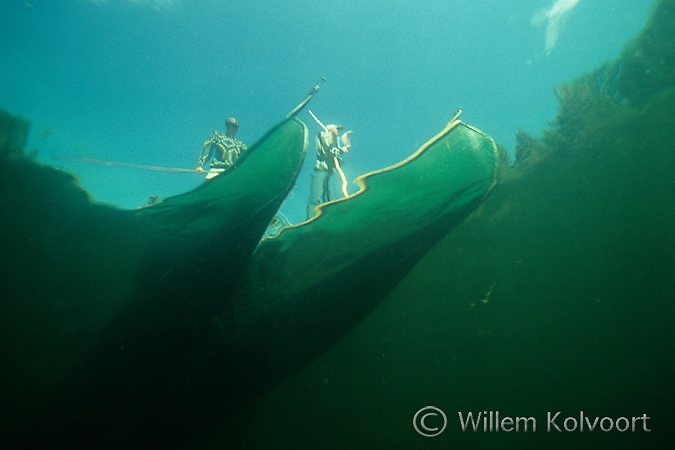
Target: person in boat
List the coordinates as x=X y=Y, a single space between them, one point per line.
x=329 y=149
x=223 y=149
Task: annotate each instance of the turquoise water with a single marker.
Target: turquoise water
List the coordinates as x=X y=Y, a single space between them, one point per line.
x=146 y=81
x=554 y=295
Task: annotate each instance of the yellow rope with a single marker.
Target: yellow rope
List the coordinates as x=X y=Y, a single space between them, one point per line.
x=342 y=176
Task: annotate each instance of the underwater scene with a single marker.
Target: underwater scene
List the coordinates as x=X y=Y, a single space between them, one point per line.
x=248 y=225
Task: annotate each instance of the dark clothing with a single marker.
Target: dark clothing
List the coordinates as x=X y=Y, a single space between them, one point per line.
x=224 y=149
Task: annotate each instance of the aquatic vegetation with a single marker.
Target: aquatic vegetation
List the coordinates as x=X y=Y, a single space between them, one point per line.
x=588 y=98
x=529 y=150
x=649 y=61
x=645 y=67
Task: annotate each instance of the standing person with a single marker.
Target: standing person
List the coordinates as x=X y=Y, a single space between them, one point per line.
x=329 y=149
x=224 y=148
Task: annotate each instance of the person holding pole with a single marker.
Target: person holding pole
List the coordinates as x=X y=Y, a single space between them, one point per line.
x=329 y=149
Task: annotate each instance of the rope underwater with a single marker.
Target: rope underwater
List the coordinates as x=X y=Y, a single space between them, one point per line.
x=126 y=164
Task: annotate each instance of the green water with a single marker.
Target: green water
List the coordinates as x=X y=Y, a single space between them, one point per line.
x=558 y=294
